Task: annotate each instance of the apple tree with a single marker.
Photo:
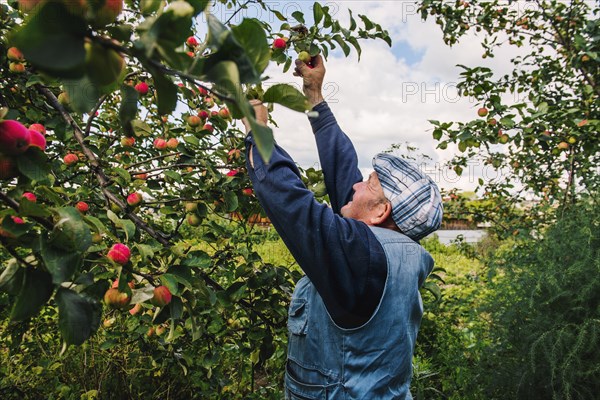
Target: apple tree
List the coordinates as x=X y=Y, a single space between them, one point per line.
x=538 y=125
x=124 y=201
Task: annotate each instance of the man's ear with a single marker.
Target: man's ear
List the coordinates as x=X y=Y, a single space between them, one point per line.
x=380 y=213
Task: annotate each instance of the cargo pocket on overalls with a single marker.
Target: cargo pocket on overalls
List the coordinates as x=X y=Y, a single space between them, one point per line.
x=298 y=317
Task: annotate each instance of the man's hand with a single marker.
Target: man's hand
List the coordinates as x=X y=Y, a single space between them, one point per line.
x=312 y=79
x=261 y=113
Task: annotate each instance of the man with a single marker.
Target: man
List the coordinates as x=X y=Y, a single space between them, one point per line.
x=354 y=317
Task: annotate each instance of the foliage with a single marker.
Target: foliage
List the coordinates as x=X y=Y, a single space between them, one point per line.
x=135 y=107
x=538 y=126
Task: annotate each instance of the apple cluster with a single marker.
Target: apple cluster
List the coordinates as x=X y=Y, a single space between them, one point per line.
x=15 y=140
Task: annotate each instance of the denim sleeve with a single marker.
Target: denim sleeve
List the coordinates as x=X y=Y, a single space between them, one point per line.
x=337 y=156
x=340 y=256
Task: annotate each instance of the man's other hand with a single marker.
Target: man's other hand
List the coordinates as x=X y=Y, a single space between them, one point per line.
x=260 y=112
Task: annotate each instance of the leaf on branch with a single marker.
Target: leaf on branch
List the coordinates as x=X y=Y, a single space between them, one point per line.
x=61 y=264
x=78 y=316
x=35 y=292
x=11 y=279
x=287 y=96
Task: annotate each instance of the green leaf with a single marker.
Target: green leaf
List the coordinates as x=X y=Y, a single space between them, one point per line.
x=145 y=251
x=34 y=165
x=52 y=40
x=78 y=316
x=70 y=232
x=170 y=282
x=127 y=226
x=143 y=294
x=251 y=36
x=354 y=42
x=352 y=21
x=231 y=201
x=199 y=5
x=128 y=108
x=166 y=92
x=30 y=209
x=182 y=275
x=140 y=128
x=368 y=24
x=61 y=264
x=35 y=292
x=198 y=259
x=317 y=13
x=83 y=94
x=343 y=44
x=288 y=96
x=298 y=16
x=434 y=289
x=11 y=279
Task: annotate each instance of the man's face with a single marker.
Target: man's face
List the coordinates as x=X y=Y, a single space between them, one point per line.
x=367 y=195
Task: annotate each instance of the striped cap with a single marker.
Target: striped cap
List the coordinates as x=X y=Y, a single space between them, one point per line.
x=416 y=201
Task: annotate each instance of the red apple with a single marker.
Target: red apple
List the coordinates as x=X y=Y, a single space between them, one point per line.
x=209 y=102
x=482 y=112
x=37 y=139
x=247 y=192
x=30 y=196
x=134 y=199
x=82 y=206
x=38 y=128
x=142 y=88
x=119 y=253
x=563 y=146
x=136 y=309
x=209 y=127
x=234 y=154
x=233 y=172
x=279 y=43
x=162 y=296
x=202 y=91
x=172 y=143
x=70 y=159
x=160 y=144
x=143 y=176
x=14 y=137
x=203 y=114
x=115 y=299
x=115 y=284
x=191 y=41
x=14 y=54
x=8 y=168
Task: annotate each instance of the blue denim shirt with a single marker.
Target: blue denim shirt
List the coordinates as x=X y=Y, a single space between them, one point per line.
x=347 y=339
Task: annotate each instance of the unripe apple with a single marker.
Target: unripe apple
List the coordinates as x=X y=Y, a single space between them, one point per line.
x=234 y=154
x=172 y=143
x=38 y=128
x=70 y=159
x=63 y=98
x=127 y=141
x=194 y=121
x=191 y=42
x=305 y=57
x=247 y=192
x=209 y=127
x=136 y=309
x=162 y=296
x=134 y=199
x=503 y=138
x=224 y=113
x=103 y=64
x=482 y=112
x=203 y=114
x=30 y=196
x=14 y=137
x=572 y=140
x=8 y=168
x=119 y=253
x=108 y=12
x=191 y=206
x=193 y=220
x=492 y=121
x=14 y=54
x=209 y=102
x=160 y=144
x=115 y=299
x=279 y=43
x=142 y=88
x=82 y=207
x=160 y=330
x=37 y=140
x=28 y=5
x=16 y=67
x=150 y=332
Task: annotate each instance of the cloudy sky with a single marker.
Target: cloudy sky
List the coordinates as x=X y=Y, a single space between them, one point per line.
x=389 y=96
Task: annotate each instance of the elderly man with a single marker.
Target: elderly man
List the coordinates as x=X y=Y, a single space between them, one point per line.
x=354 y=318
